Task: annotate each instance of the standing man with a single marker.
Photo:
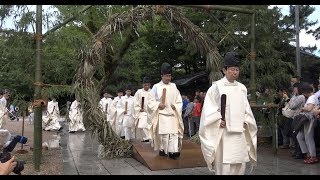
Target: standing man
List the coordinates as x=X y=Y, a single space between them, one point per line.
x=114 y=118
x=76 y=117
x=184 y=103
x=228 y=144
x=105 y=106
x=295 y=79
x=142 y=119
x=165 y=110
x=187 y=116
x=125 y=110
x=105 y=103
x=3 y=108
x=51 y=120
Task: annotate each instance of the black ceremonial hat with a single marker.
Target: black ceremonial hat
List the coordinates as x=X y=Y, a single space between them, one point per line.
x=120 y=90
x=128 y=87
x=231 y=59
x=166 y=68
x=146 y=79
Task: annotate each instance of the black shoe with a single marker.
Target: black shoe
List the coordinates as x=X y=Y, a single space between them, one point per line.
x=146 y=140
x=162 y=153
x=60 y=128
x=174 y=155
x=177 y=154
x=122 y=137
x=72 y=131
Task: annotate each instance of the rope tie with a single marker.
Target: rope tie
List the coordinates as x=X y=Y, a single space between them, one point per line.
x=159 y=9
x=37 y=37
x=251 y=56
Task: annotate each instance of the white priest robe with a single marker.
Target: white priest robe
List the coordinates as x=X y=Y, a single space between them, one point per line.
x=142 y=119
x=105 y=106
x=166 y=121
x=114 y=118
x=235 y=144
x=3 y=112
x=51 y=120
x=76 y=117
x=126 y=120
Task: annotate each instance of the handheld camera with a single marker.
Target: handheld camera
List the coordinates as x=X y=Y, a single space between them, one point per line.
x=6 y=155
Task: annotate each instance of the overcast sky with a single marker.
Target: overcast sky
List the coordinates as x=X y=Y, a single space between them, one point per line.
x=306 y=39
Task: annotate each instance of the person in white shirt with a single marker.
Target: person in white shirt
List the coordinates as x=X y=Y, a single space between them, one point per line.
x=305 y=136
x=316 y=110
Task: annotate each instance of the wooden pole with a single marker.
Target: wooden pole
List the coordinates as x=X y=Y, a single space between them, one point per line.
x=37 y=145
x=297 y=27
x=126 y=107
x=163 y=97
x=253 y=86
x=37 y=152
x=22 y=133
x=142 y=103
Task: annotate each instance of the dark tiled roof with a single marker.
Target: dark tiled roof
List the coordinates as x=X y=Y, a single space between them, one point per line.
x=187 y=79
x=309 y=54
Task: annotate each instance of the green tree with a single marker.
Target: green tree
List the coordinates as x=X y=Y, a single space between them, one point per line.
x=143 y=47
x=17 y=67
x=274 y=63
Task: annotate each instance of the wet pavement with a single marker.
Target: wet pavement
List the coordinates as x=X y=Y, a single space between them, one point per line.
x=80 y=157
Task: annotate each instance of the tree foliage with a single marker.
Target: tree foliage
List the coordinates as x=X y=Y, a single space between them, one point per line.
x=144 y=46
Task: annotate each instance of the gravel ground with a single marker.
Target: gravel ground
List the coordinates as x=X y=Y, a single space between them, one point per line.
x=51 y=160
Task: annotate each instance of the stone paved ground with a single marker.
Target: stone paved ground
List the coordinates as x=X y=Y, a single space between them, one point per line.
x=80 y=158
